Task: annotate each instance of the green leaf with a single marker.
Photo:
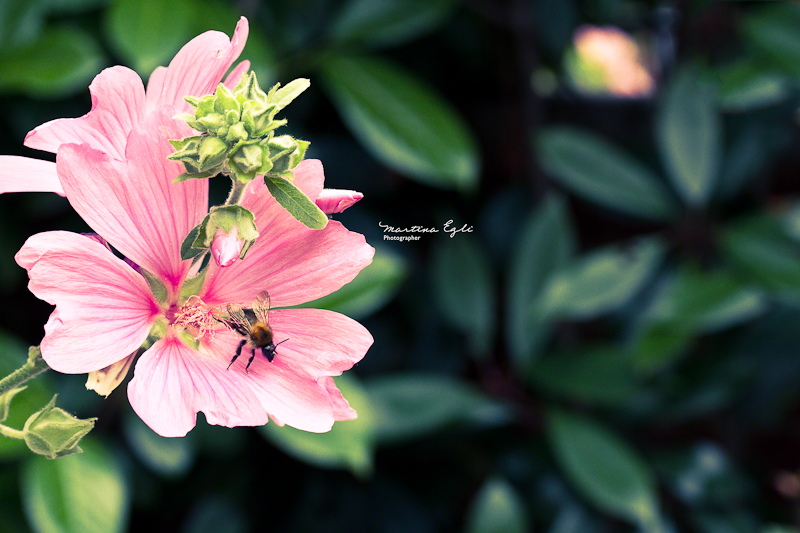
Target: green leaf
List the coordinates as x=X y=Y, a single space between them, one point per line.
x=387 y=22
x=61 y=61
x=762 y=251
x=688 y=303
x=169 y=457
x=148 y=33
x=349 y=444
x=744 y=85
x=605 y=469
x=771 y=31
x=547 y=242
x=689 y=134
x=602 y=173
x=289 y=92
x=464 y=288
x=296 y=202
x=402 y=122
x=497 y=508
x=371 y=289
x=602 y=281
x=83 y=493
x=408 y=406
x=597 y=376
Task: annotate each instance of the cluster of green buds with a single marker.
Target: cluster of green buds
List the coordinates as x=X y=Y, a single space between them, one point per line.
x=238 y=133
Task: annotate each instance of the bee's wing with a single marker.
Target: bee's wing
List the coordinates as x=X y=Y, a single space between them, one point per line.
x=237 y=319
x=261 y=307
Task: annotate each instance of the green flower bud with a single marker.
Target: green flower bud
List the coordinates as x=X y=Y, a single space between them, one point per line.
x=225 y=102
x=53 y=432
x=236 y=133
x=249 y=158
x=286 y=152
x=211 y=153
x=226 y=218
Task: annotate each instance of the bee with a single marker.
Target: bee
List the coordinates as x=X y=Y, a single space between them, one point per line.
x=253 y=325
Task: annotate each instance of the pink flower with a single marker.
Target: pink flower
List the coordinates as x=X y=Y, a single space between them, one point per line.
x=105 y=309
x=337 y=200
x=120 y=102
x=226 y=247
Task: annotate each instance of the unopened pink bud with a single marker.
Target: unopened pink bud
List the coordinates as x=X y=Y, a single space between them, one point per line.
x=226 y=247
x=336 y=200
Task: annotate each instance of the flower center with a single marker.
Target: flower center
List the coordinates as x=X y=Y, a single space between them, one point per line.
x=195 y=317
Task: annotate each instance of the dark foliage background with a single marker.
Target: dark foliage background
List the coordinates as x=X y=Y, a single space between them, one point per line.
x=609 y=346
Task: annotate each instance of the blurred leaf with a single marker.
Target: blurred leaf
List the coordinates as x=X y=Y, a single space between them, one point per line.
x=772 y=32
x=780 y=529
x=688 y=303
x=497 y=508
x=546 y=243
x=604 y=468
x=596 y=376
x=148 y=33
x=689 y=130
x=744 y=85
x=601 y=281
x=37 y=393
x=83 y=493
x=215 y=515
x=170 y=457
x=464 y=287
x=743 y=159
x=402 y=122
x=349 y=444
x=409 y=406
x=759 y=246
x=602 y=173
x=371 y=289
x=62 y=61
x=388 y=22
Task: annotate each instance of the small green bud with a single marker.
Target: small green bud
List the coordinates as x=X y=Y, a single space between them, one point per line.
x=249 y=158
x=286 y=152
x=236 y=133
x=225 y=101
x=211 y=153
x=53 y=432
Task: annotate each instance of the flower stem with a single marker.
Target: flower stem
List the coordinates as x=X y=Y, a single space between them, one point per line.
x=32 y=368
x=237 y=190
x=11 y=432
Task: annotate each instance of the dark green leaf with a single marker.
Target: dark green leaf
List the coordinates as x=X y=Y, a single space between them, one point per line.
x=349 y=444
x=497 y=508
x=772 y=32
x=689 y=131
x=546 y=244
x=599 y=376
x=463 y=285
x=296 y=202
x=170 y=457
x=412 y=405
x=388 y=22
x=83 y=493
x=602 y=281
x=605 y=469
x=402 y=122
x=602 y=173
x=745 y=86
x=370 y=290
x=62 y=61
x=148 y=33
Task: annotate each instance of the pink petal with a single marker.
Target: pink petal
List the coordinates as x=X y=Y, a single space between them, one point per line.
x=295 y=388
x=135 y=206
x=172 y=383
x=293 y=263
x=235 y=75
x=321 y=342
x=117 y=106
x=336 y=200
x=104 y=309
x=341 y=408
x=197 y=68
x=24 y=174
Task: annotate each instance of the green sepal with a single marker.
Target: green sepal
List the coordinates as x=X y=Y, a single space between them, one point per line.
x=5 y=401
x=53 y=432
x=157 y=287
x=229 y=216
x=193 y=285
x=295 y=202
x=188 y=250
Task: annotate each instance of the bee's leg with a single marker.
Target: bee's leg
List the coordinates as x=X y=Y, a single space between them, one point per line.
x=238 y=352
x=252 y=356
x=269 y=354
